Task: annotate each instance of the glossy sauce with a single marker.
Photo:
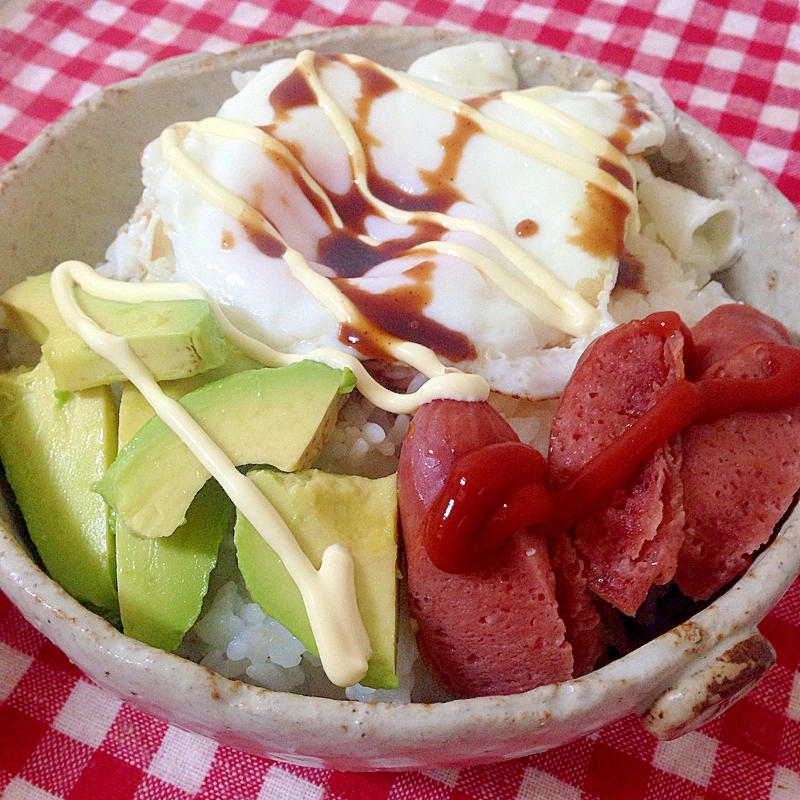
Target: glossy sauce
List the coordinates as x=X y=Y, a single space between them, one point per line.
x=292 y=92
x=631 y=120
x=526 y=228
x=489 y=494
x=398 y=311
x=228 y=240
x=601 y=221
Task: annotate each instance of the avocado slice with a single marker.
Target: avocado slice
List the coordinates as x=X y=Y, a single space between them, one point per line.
x=174 y=338
x=322 y=509
x=54 y=446
x=162 y=582
x=134 y=410
x=278 y=416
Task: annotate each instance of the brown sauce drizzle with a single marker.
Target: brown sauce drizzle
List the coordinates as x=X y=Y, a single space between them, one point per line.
x=632 y=118
x=292 y=92
x=441 y=181
x=479 y=102
x=265 y=242
x=602 y=219
x=526 y=228
x=374 y=84
x=282 y=163
x=616 y=171
x=630 y=275
x=441 y=194
x=366 y=339
x=399 y=312
x=228 y=240
x=349 y=257
x=601 y=224
x=342 y=250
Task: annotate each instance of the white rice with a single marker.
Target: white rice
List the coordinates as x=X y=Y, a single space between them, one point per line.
x=366 y=440
x=235 y=639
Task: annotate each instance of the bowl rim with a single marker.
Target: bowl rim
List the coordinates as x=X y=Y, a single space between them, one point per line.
x=296 y=728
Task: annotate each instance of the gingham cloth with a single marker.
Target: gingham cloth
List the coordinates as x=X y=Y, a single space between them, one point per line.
x=733 y=64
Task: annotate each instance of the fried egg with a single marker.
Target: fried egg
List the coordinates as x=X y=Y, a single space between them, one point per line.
x=336 y=203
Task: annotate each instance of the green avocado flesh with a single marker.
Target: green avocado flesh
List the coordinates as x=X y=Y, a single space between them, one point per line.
x=279 y=417
x=55 y=446
x=124 y=516
x=173 y=338
x=162 y=582
x=322 y=509
x=134 y=410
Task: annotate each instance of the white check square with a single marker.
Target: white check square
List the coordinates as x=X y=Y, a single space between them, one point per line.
x=88 y=714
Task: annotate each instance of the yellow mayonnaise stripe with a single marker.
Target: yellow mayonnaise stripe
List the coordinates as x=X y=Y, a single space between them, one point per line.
x=581 y=134
x=446 y=384
x=328 y=593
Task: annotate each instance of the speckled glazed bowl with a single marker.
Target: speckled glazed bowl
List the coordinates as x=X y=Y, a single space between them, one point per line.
x=64 y=198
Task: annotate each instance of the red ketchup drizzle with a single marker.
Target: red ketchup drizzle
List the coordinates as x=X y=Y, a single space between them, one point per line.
x=495 y=490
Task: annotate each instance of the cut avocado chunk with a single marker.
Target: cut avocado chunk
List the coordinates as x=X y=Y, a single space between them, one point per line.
x=174 y=338
x=322 y=509
x=276 y=416
x=162 y=582
x=134 y=410
x=55 y=446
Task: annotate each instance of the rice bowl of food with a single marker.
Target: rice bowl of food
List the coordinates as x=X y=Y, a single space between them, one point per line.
x=432 y=345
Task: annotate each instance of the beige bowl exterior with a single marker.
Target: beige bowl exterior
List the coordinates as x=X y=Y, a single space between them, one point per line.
x=64 y=197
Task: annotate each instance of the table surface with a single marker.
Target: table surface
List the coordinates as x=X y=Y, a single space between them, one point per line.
x=735 y=66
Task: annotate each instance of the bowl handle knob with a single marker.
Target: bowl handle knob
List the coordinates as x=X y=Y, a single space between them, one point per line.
x=723 y=676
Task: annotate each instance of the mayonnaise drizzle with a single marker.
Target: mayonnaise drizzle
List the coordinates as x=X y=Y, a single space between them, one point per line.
x=417 y=356
x=544 y=152
x=529 y=100
x=328 y=593
x=447 y=383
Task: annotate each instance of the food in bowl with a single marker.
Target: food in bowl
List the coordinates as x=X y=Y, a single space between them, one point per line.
x=151 y=230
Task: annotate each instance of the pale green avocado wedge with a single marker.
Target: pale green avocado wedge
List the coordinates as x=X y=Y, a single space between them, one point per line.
x=174 y=338
x=54 y=447
x=162 y=582
x=135 y=411
x=322 y=509
x=279 y=417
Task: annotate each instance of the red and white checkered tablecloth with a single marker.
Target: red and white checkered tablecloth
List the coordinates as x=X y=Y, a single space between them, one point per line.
x=735 y=66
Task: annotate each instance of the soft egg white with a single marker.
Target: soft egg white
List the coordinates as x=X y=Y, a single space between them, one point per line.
x=177 y=232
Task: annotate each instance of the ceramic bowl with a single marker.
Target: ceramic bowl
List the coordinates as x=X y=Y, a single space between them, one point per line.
x=64 y=197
